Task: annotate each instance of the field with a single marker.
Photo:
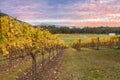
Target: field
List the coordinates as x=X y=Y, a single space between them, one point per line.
x=69 y=38
x=89 y=64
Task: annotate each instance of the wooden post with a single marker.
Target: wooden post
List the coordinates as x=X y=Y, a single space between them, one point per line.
x=33 y=66
x=93 y=45
x=42 y=61
x=110 y=44
x=98 y=43
x=49 y=55
x=119 y=42
x=10 y=60
x=79 y=48
x=53 y=54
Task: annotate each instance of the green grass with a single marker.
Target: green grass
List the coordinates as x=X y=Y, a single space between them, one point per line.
x=91 y=65
x=68 y=38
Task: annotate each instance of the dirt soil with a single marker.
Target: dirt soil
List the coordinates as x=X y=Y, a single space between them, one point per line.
x=48 y=71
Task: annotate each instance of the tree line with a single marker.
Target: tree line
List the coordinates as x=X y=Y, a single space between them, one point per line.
x=93 y=30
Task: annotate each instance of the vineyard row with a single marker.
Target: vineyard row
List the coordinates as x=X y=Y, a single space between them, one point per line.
x=98 y=42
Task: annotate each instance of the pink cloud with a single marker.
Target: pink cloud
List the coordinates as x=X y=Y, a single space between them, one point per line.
x=95 y=24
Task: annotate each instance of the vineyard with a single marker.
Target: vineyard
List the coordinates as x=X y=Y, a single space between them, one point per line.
x=28 y=53
x=98 y=42
x=19 y=40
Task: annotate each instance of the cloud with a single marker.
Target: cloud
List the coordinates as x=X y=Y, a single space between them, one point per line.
x=105 y=19
x=64 y=11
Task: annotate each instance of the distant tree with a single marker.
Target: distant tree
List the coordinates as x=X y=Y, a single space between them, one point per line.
x=94 y=30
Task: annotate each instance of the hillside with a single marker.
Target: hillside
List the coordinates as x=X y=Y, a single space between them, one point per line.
x=3 y=14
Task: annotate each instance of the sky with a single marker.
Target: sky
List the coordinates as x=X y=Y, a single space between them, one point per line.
x=79 y=13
